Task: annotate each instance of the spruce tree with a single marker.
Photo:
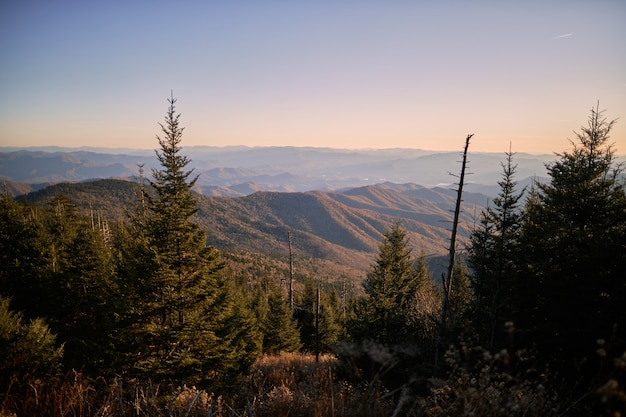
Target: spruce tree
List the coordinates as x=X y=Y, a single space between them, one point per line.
x=390 y=288
x=427 y=306
x=280 y=330
x=82 y=292
x=22 y=258
x=393 y=326
x=493 y=257
x=330 y=327
x=189 y=323
x=59 y=267
x=573 y=290
x=462 y=297
x=29 y=354
x=321 y=332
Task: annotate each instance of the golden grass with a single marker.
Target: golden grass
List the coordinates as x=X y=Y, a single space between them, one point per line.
x=296 y=385
x=285 y=385
x=293 y=384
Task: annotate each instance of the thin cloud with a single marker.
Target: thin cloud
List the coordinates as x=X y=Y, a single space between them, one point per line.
x=565 y=35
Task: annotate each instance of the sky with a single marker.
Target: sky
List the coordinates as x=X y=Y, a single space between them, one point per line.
x=341 y=73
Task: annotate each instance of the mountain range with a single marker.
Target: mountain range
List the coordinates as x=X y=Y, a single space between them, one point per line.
x=340 y=228
x=335 y=203
x=240 y=171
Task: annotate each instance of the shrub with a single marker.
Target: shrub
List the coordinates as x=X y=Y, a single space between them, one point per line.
x=28 y=356
x=481 y=383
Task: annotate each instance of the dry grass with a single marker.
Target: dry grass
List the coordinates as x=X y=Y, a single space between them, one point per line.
x=480 y=383
x=296 y=385
x=77 y=396
x=288 y=384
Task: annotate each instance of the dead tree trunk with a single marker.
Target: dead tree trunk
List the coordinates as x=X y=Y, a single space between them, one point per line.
x=291 y=273
x=317 y=325
x=446 y=313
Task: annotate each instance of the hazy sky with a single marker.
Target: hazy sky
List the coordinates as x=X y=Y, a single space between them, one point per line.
x=340 y=73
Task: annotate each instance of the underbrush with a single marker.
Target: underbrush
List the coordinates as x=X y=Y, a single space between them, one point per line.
x=297 y=385
x=79 y=396
x=288 y=384
x=479 y=384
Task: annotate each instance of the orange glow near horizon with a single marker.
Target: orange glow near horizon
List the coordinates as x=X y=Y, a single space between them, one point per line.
x=344 y=75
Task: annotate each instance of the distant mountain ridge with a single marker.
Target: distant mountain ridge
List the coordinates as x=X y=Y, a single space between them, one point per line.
x=343 y=227
x=240 y=171
x=335 y=203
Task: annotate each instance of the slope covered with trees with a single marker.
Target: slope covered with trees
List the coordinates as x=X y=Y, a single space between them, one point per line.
x=343 y=228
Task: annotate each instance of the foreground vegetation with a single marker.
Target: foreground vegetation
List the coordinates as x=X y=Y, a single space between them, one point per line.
x=140 y=317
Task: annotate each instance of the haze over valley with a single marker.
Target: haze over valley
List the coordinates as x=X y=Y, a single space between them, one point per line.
x=238 y=171
x=336 y=203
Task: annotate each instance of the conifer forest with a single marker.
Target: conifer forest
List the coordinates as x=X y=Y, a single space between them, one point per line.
x=138 y=316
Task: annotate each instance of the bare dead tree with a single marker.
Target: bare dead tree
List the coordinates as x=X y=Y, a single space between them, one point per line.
x=291 y=273
x=317 y=325
x=447 y=278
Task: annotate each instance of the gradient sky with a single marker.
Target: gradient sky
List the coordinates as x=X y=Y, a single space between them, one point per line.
x=344 y=74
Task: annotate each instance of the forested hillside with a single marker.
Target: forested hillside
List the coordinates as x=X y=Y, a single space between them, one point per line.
x=341 y=227
x=147 y=298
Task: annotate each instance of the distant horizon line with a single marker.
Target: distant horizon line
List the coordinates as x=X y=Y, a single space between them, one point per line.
x=104 y=149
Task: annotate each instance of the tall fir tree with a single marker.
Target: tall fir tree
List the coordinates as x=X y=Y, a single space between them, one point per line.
x=190 y=323
x=493 y=258
x=319 y=327
x=573 y=290
x=330 y=327
x=280 y=329
x=393 y=327
x=390 y=287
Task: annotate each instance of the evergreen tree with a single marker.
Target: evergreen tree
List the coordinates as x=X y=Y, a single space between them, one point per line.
x=22 y=260
x=462 y=297
x=574 y=239
x=83 y=291
x=330 y=326
x=61 y=269
x=427 y=306
x=390 y=288
x=29 y=356
x=190 y=322
x=280 y=330
x=493 y=257
x=323 y=331
x=393 y=328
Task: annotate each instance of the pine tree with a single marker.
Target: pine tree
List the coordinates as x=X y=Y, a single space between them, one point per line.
x=82 y=288
x=322 y=331
x=493 y=254
x=60 y=268
x=393 y=327
x=574 y=240
x=390 y=288
x=189 y=322
x=427 y=306
x=462 y=297
x=330 y=327
x=280 y=330
x=28 y=354
x=22 y=259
